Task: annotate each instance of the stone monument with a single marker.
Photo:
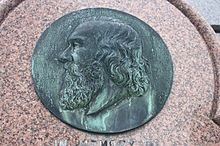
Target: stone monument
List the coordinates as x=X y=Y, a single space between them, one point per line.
x=189 y=115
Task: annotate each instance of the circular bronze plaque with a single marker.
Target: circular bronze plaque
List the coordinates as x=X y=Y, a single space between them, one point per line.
x=102 y=70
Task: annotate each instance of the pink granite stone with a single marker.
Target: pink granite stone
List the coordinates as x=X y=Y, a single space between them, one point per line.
x=213 y=45
x=185 y=118
x=6 y=6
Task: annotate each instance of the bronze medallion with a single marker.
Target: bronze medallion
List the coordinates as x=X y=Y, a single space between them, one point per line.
x=102 y=70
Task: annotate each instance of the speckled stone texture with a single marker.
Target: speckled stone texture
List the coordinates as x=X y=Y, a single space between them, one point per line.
x=6 y=6
x=185 y=119
x=213 y=45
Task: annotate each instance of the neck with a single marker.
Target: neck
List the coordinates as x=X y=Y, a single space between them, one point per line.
x=110 y=95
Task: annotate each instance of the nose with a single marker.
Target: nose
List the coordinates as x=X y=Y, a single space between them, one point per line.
x=66 y=56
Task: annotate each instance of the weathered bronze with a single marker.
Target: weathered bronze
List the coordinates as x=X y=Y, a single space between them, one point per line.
x=102 y=70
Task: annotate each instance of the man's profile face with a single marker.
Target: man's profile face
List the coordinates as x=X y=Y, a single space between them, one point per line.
x=82 y=46
x=97 y=50
x=81 y=79
x=102 y=70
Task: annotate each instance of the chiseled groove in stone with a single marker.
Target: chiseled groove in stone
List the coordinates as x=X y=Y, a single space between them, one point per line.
x=213 y=44
x=6 y=6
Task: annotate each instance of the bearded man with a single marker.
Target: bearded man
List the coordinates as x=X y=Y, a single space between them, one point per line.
x=104 y=66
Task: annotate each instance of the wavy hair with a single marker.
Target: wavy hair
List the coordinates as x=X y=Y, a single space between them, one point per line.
x=120 y=52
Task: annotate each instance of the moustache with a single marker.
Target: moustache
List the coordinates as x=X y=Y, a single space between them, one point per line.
x=72 y=69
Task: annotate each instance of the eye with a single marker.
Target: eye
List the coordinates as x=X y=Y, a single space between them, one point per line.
x=76 y=43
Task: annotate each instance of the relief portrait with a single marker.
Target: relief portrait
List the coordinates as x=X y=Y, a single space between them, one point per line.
x=102 y=70
x=104 y=66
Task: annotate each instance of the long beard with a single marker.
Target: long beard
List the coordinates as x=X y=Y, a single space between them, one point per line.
x=80 y=86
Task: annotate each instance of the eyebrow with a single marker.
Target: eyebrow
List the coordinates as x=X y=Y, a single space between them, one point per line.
x=77 y=38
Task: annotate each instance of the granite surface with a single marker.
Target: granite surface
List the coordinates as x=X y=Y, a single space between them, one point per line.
x=210 y=10
x=6 y=6
x=213 y=44
x=186 y=119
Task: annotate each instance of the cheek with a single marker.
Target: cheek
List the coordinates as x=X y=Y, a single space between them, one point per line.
x=75 y=57
x=81 y=55
x=78 y=58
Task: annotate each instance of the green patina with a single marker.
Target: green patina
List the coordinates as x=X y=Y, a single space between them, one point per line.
x=102 y=70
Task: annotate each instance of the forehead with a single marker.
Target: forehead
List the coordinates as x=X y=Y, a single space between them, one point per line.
x=85 y=30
